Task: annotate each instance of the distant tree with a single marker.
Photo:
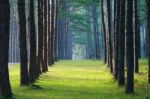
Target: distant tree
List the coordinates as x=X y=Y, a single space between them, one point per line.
x=129 y=48
x=94 y=16
x=32 y=34
x=148 y=30
x=104 y=31
x=23 y=43
x=5 y=88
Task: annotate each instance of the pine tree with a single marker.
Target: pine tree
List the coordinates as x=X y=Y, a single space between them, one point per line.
x=129 y=48
x=23 y=44
x=5 y=88
x=32 y=62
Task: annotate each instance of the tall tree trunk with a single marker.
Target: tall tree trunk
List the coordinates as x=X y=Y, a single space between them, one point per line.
x=32 y=62
x=148 y=30
x=139 y=40
x=49 y=33
x=116 y=51
x=52 y=30
x=129 y=48
x=5 y=88
x=56 y=30
x=136 y=49
x=23 y=43
x=45 y=36
x=121 y=54
x=104 y=31
x=95 y=30
x=40 y=37
x=109 y=37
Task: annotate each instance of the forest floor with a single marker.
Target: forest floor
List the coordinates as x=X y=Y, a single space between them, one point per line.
x=79 y=80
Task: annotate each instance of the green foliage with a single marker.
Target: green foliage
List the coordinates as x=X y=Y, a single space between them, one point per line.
x=79 y=80
x=142 y=11
x=78 y=12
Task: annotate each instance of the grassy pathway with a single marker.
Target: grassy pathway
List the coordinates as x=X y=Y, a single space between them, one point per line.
x=78 y=80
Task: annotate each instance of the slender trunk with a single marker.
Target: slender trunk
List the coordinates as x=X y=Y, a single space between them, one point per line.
x=45 y=36
x=104 y=31
x=40 y=38
x=42 y=35
x=136 y=49
x=109 y=37
x=52 y=31
x=116 y=51
x=49 y=33
x=95 y=31
x=148 y=30
x=56 y=31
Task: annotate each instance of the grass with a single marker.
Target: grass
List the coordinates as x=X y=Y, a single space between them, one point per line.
x=79 y=80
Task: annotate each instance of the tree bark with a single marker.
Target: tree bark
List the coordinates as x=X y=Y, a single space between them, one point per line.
x=121 y=54
x=5 y=88
x=32 y=62
x=24 y=78
x=104 y=31
x=45 y=36
x=129 y=48
x=49 y=33
x=148 y=32
x=109 y=37
x=136 y=49
x=116 y=51
x=40 y=37
x=52 y=31
x=94 y=15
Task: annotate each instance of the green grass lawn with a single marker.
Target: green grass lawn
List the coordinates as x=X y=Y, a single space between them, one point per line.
x=79 y=80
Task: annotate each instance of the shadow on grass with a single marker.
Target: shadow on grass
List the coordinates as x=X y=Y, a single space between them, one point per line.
x=36 y=87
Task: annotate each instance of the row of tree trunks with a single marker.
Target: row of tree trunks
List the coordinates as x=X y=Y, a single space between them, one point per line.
x=64 y=35
x=5 y=88
x=38 y=55
x=125 y=43
x=95 y=30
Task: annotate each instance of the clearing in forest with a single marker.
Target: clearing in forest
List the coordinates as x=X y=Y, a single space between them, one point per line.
x=79 y=80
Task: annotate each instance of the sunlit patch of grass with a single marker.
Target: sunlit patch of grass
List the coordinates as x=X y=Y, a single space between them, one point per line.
x=79 y=80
